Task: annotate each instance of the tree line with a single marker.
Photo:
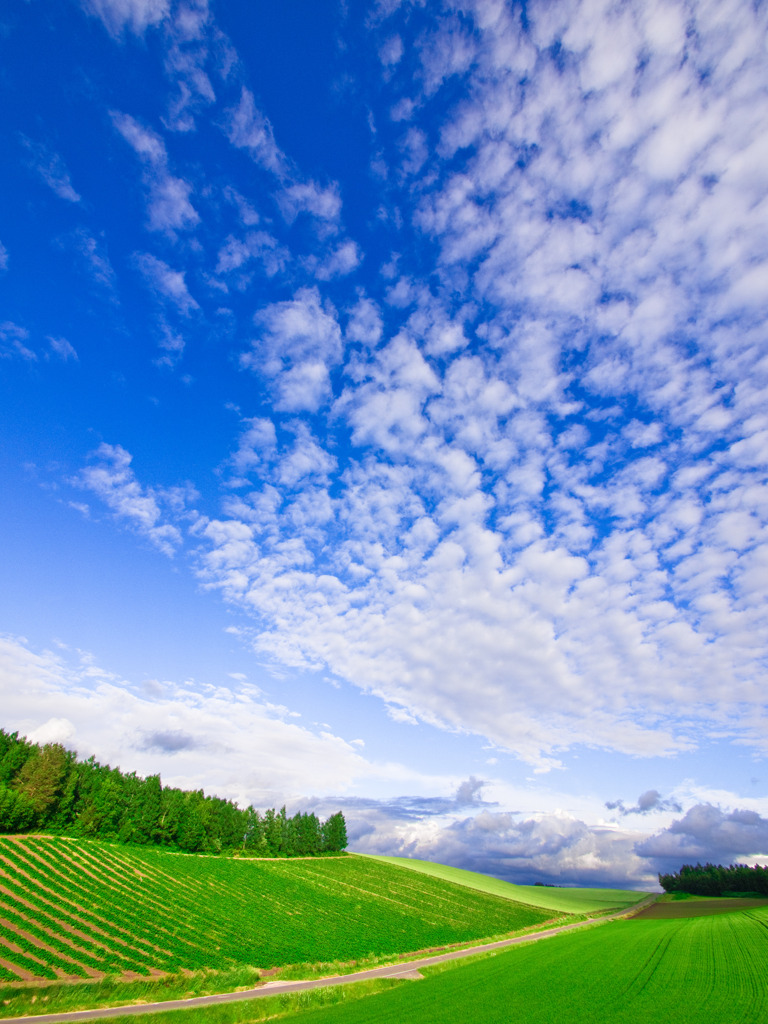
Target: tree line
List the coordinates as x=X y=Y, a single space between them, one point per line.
x=48 y=788
x=716 y=880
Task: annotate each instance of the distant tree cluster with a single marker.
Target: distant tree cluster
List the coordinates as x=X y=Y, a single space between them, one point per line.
x=48 y=788
x=716 y=880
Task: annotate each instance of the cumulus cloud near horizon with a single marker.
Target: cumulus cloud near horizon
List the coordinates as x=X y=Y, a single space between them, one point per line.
x=554 y=848
x=710 y=833
x=190 y=734
x=196 y=735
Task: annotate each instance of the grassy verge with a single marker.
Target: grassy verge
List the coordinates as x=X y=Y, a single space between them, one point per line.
x=266 y=1008
x=32 y=1000
x=29 y=1000
x=287 y=1005
x=306 y=971
x=693 y=971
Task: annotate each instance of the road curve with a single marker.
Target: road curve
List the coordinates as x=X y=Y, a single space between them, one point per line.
x=276 y=988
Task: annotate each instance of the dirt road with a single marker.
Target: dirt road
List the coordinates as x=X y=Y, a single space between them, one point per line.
x=274 y=988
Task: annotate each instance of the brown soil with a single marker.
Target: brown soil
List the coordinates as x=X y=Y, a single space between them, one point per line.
x=76 y=906
x=33 y=940
x=697 y=908
x=26 y=975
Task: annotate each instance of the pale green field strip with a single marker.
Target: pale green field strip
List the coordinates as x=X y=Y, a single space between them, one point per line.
x=706 y=970
x=568 y=901
x=82 y=908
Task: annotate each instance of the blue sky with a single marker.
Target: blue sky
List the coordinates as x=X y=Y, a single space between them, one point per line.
x=384 y=395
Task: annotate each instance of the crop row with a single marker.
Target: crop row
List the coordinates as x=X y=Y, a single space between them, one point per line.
x=96 y=899
x=142 y=908
x=52 y=898
x=59 y=907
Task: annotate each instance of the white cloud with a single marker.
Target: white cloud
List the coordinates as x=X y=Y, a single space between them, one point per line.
x=94 y=255
x=51 y=169
x=298 y=342
x=63 y=348
x=247 y=128
x=192 y=37
x=3 y=257
x=449 y=51
x=555 y=847
x=166 y=283
x=707 y=833
x=341 y=262
x=169 y=208
x=309 y=197
x=237 y=253
x=533 y=507
x=196 y=734
x=365 y=323
x=172 y=345
x=391 y=51
x=136 y=15
x=113 y=480
x=13 y=340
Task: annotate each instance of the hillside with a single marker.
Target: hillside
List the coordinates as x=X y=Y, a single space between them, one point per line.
x=83 y=908
x=568 y=901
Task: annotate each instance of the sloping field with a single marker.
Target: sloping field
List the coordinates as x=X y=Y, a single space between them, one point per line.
x=79 y=909
x=706 y=970
x=568 y=901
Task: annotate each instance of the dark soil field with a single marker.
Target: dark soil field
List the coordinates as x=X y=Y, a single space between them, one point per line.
x=697 y=908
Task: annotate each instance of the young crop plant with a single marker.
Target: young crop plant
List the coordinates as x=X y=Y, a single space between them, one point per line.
x=64 y=917
x=113 y=908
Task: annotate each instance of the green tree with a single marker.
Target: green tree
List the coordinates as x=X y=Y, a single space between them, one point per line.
x=14 y=752
x=17 y=812
x=335 y=833
x=191 y=834
x=41 y=779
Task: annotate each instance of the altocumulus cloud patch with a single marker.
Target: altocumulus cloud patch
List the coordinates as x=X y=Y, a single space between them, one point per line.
x=429 y=343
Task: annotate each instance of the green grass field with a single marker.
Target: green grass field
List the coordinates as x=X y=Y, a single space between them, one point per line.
x=79 y=910
x=82 y=909
x=704 y=970
x=568 y=901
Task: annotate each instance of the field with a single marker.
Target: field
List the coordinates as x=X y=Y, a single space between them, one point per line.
x=568 y=901
x=685 y=971
x=697 y=906
x=76 y=909
x=79 y=910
